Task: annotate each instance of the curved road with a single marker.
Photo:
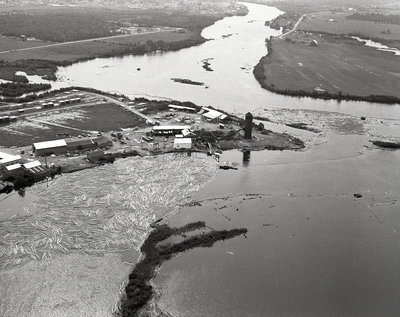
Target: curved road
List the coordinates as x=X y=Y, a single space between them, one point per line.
x=294 y=28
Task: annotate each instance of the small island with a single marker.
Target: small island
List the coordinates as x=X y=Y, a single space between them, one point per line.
x=187 y=81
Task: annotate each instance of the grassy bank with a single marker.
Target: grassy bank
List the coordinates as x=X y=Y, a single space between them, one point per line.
x=139 y=291
x=336 y=68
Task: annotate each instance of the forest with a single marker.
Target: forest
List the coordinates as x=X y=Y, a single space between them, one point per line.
x=78 y=24
x=18 y=89
x=376 y=17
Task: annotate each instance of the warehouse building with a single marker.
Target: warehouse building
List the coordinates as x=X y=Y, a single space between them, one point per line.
x=80 y=145
x=46 y=148
x=8 y=159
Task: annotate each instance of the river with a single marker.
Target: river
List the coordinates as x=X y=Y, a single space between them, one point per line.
x=313 y=248
x=235 y=45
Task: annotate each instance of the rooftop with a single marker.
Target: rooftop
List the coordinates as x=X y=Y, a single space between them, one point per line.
x=49 y=144
x=182 y=140
x=6 y=158
x=13 y=167
x=32 y=164
x=170 y=127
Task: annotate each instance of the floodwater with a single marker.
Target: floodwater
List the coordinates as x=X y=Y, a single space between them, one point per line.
x=378 y=46
x=313 y=249
x=236 y=45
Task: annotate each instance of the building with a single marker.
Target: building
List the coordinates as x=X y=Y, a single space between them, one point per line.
x=80 y=145
x=182 y=143
x=14 y=170
x=56 y=147
x=182 y=108
x=212 y=115
x=96 y=156
x=8 y=159
x=35 y=168
x=102 y=142
x=171 y=130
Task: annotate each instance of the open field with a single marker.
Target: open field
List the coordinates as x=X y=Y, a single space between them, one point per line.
x=106 y=117
x=335 y=65
x=320 y=22
x=96 y=48
x=7 y=43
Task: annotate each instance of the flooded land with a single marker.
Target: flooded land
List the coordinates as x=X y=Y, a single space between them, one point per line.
x=301 y=218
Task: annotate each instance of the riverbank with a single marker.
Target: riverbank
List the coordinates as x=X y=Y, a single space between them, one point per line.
x=110 y=33
x=156 y=250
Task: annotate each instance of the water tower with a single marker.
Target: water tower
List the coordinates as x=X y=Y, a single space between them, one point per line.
x=248 y=126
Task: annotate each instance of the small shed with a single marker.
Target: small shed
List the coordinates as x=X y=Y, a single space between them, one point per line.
x=182 y=143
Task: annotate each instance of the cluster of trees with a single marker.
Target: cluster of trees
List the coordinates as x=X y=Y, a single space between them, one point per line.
x=285 y=21
x=56 y=27
x=78 y=24
x=152 y=46
x=13 y=90
x=376 y=17
x=139 y=291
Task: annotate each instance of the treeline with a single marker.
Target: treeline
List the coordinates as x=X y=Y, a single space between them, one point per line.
x=30 y=67
x=139 y=291
x=13 y=90
x=376 y=17
x=150 y=46
x=285 y=21
x=77 y=24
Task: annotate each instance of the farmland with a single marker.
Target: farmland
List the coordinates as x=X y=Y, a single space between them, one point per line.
x=337 y=23
x=321 y=59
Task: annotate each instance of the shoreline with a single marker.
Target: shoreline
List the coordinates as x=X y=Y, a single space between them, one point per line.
x=47 y=68
x=218 y=139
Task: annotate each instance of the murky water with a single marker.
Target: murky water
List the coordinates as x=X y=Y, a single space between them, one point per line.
x=313 y=249
x=231 y=84
x=377 y=45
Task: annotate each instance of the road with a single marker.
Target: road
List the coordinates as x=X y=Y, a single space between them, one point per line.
x=294 y=28
x=125 y=106
x=76 y=42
